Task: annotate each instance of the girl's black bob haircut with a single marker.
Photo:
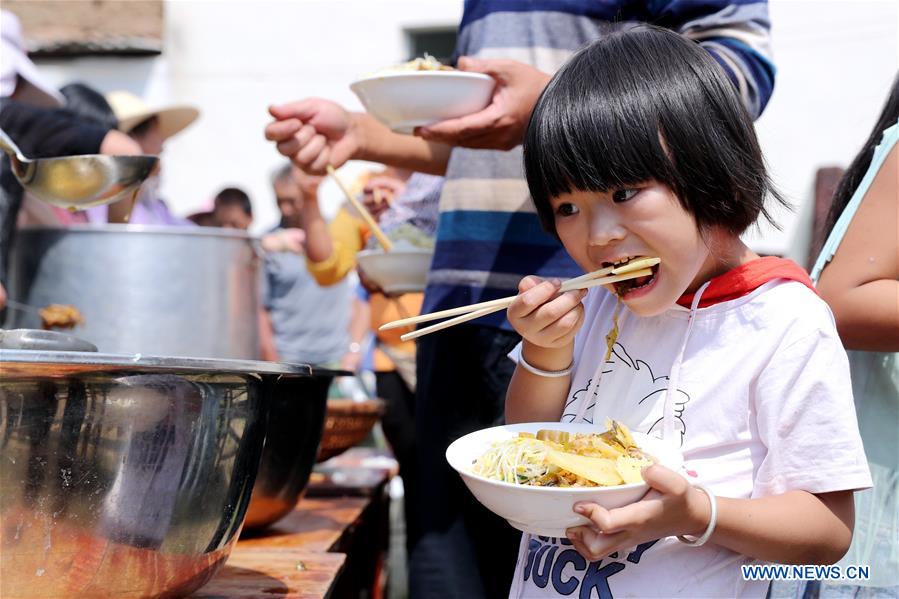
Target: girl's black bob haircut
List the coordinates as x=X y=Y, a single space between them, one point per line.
x=647 y=104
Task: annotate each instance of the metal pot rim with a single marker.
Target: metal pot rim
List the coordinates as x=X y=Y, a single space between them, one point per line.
x=147 y=229
x=94 y=361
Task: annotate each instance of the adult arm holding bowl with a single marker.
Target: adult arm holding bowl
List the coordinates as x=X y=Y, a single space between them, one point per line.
x=314 y=133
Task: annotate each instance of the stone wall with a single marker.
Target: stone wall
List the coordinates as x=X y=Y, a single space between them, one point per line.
x=54 y=27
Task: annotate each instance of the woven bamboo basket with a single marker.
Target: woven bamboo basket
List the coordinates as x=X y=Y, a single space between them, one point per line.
x=347 y=423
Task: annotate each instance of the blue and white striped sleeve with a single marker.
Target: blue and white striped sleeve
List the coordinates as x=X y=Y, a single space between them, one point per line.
x=738 y=36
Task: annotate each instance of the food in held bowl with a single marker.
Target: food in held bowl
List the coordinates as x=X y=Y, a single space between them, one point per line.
x=554 y=458
x=404 y=236
x=409 y=235
x=427 y=63
x=60 y=316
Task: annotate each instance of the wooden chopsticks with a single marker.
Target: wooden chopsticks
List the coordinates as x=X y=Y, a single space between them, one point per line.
x=639 y=267
x=366 y=216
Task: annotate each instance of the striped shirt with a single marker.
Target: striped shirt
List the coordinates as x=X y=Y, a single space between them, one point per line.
x=488 y=234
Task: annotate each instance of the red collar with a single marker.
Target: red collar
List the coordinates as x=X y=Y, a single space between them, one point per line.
x=746 y=278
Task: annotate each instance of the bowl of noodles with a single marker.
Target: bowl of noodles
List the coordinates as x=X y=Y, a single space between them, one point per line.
x=422 y=92
x=404 y=269
x=533 y=473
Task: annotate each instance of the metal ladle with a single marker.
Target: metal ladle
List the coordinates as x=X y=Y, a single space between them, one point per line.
x=78 y=182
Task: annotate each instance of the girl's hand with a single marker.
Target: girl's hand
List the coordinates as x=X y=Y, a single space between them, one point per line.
x=672 y=507
x=544 y=317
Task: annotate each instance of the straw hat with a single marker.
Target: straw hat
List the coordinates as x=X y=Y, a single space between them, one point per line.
x=131 y=111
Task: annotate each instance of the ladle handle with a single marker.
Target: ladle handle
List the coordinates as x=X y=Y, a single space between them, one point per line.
x=22 y=168
x=10 y=147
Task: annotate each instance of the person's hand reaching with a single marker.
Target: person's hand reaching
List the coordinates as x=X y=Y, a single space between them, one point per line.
x=285 y=240
x=313 y=133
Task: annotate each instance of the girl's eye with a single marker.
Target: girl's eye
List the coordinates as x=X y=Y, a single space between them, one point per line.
x=623 y=195
x=566 y=209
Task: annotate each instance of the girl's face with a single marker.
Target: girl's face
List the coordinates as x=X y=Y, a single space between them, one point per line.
x=599 y=229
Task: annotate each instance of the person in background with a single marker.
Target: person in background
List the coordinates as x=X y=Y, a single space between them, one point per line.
x=89 y=105
x=857 y=274
x=232 y=209
x=488 y=237
x=394 y=201
x=331 y=248
x=204 y=218
x=150 y=128
x=20 y=78
x=31 y=114
x=300 y=321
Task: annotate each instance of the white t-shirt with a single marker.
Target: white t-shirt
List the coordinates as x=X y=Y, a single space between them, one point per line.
x=763 y=406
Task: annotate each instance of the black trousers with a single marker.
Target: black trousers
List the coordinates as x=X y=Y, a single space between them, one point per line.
x=398 y=424
x=464 y=550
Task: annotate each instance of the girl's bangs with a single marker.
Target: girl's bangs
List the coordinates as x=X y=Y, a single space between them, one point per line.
x=584 y=137
x=647 y=104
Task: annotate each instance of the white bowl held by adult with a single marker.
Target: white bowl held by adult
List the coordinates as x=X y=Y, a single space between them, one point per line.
x=403 y=100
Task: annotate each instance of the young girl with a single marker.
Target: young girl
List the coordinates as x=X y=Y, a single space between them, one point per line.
x=640 y=147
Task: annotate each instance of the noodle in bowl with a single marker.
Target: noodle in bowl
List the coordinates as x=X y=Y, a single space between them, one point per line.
x=546 y=511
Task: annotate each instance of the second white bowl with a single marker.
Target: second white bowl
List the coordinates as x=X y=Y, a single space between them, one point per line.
x=397 y=271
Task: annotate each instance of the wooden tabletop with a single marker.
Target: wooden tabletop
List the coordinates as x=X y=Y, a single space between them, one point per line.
x=315 y=525
x=256 y=573
x=302 y=555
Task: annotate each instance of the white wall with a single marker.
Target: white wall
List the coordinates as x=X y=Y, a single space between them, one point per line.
x=232 y=58
x=835 y=63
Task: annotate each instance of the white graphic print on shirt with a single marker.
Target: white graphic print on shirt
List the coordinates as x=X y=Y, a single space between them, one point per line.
x=653 y=389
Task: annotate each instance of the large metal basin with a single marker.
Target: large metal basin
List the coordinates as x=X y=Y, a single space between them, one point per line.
x=295 y=425
x=123 y=476
x=155 y=290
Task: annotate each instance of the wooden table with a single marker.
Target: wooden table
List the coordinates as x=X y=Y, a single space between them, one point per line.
x=259 y=573
x=332 y=545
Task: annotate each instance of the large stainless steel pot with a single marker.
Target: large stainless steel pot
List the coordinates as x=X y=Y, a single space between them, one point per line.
x=173 y=291
x=125 y=476
x=295 y=424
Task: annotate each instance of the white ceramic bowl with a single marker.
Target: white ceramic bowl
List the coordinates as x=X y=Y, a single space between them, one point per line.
x=397 y=271
x=546 y=511
x=405 y=100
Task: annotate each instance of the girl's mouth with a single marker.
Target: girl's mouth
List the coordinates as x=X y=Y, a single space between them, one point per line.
x=631 y=287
